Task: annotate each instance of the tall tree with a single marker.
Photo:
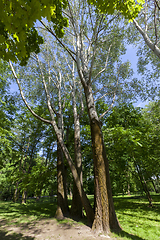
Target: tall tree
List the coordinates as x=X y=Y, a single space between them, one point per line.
x=49 y=97
x=89 y=26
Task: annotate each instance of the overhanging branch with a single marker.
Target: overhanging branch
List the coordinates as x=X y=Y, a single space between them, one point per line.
x=24 y=100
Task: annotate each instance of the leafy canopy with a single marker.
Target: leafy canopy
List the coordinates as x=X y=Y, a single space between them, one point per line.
x=18 y=35
x=129 y=8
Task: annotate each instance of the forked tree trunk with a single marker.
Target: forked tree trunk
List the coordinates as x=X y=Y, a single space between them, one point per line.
x=105 y=216
x=62 y=203
x=85 y=201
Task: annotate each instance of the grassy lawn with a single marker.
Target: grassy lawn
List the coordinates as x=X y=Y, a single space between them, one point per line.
x=17 y=213
x=137 y=220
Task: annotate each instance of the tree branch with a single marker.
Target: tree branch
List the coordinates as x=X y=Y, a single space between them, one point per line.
x=149 y=43
x=105 y=63
x=46 y=90
x=62 y=44
x=114 y=96
x=24 y=100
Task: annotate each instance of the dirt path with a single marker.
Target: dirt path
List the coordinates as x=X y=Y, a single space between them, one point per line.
x=48 y=229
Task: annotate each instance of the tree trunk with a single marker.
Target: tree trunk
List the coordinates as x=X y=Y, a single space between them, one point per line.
x=85 y=201
x=105 y=216
x=155 y=188
x=24 y=196
x=62 y=203
x=16 y=193
x=157 y=181
x=76 y=208
x=147 y=192
x=144 y=185
x=38 y=194
x=128 y=184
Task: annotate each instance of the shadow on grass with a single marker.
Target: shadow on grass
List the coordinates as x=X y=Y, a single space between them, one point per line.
x=13 y=236
x=137 y=203
x=38 y=209
x=128 y=236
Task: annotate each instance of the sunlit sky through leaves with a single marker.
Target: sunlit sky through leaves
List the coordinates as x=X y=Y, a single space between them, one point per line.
x=131 y=56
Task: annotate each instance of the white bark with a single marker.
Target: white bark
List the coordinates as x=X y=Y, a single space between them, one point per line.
x=147 y=40
x=84 y=199
x=23 y=97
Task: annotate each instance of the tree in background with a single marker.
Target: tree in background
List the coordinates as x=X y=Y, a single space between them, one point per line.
x=7 y=111
x=151 y=112
x=25 y=171
x=130 y=147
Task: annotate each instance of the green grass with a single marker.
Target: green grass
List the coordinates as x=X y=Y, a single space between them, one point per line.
x=18 y=213
x=138 y=221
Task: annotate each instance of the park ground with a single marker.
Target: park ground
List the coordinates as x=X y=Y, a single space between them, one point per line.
x=35 y=221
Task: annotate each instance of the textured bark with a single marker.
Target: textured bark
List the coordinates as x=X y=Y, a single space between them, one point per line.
x=62 y=203
x=76 y=208
x=101 y=221
x=105 y=216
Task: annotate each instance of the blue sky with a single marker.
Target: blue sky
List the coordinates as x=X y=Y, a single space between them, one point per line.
x=132 y=57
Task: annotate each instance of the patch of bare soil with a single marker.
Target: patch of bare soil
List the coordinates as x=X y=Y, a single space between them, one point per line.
x=48 y=229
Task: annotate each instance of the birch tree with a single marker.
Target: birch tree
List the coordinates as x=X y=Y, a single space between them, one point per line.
x=49 y=83
x=92 y=32
x=145 y=31
x=55 y=80
x=148 y=25
x=77 y=99
x=89 y=29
